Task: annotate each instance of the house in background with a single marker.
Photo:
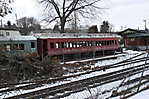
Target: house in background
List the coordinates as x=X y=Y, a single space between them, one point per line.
x=131 y=31
x=9 y=32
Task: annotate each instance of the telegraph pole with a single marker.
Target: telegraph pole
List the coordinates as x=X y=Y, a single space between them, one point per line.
x=74 y=23
x=145 y=24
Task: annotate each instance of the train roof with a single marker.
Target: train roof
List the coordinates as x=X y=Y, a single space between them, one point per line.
x=76 y=35
x=138 y=35
x=18 y=38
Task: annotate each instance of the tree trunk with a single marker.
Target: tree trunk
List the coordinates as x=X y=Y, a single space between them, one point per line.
x=63 y=21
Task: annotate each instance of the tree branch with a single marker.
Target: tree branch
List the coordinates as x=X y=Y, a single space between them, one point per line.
x=46 y=19
x=72 y=9
x=64 y=7
x=54 y=4
x=89 y=4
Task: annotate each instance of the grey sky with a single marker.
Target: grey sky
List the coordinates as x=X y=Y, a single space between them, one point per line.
x=126 y=13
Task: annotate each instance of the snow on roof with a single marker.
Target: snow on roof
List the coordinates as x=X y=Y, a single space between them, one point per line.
x=75 y=35
x=139 y=35
x=18 y=38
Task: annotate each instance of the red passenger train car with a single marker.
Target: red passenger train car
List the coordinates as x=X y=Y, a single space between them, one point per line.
x=65 y=43
x=137 y=41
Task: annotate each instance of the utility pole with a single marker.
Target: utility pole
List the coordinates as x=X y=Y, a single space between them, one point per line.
x=16 y=19
x=145 y=24
x=74 y=22
x=1 y=23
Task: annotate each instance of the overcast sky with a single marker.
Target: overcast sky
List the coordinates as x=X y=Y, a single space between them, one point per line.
x=126 y=13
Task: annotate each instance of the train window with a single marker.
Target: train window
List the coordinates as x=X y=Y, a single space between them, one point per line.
x=81 y=44
x=32 y=44
x=96 y=43
x=132 y=39
x=105 y=42
x=74 y=44
x=52 y=45
x=70 y=44
x=108 y=43
x=21 y=46
x=62 y=43
x=87 y=43
x=14 y=46
x=77 y=44
x=1 y=34
x=8 y=47
x=7 y=33
x=2 y=47
x=115 y=42
x=112 y=42
x=90 y=43
x=102 y=43
x=66 y=45
x=99 y=43
x=57 y=44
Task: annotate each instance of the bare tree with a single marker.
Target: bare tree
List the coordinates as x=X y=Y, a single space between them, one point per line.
x=93 y=29
x=105 y=27
x=5 y=7
x=28 y=24
x=63 y=9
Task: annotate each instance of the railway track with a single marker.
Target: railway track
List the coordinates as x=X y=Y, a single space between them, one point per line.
x=126 y=89
x=38 y=83
x=82 y=84
x=135 y=86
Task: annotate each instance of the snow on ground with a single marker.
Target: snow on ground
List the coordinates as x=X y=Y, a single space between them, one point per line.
x=106 y=87
x=121 y=57
x=141 y=95
x=100 y=63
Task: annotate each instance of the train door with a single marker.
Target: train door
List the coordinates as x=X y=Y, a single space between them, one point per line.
x=45 y=47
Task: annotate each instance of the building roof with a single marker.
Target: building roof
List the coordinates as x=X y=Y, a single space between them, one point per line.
x=131 y=31
x=18 y=38
x=12 y=29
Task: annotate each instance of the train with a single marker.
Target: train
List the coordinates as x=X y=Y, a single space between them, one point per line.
x=137 y=41
x=71 y=44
